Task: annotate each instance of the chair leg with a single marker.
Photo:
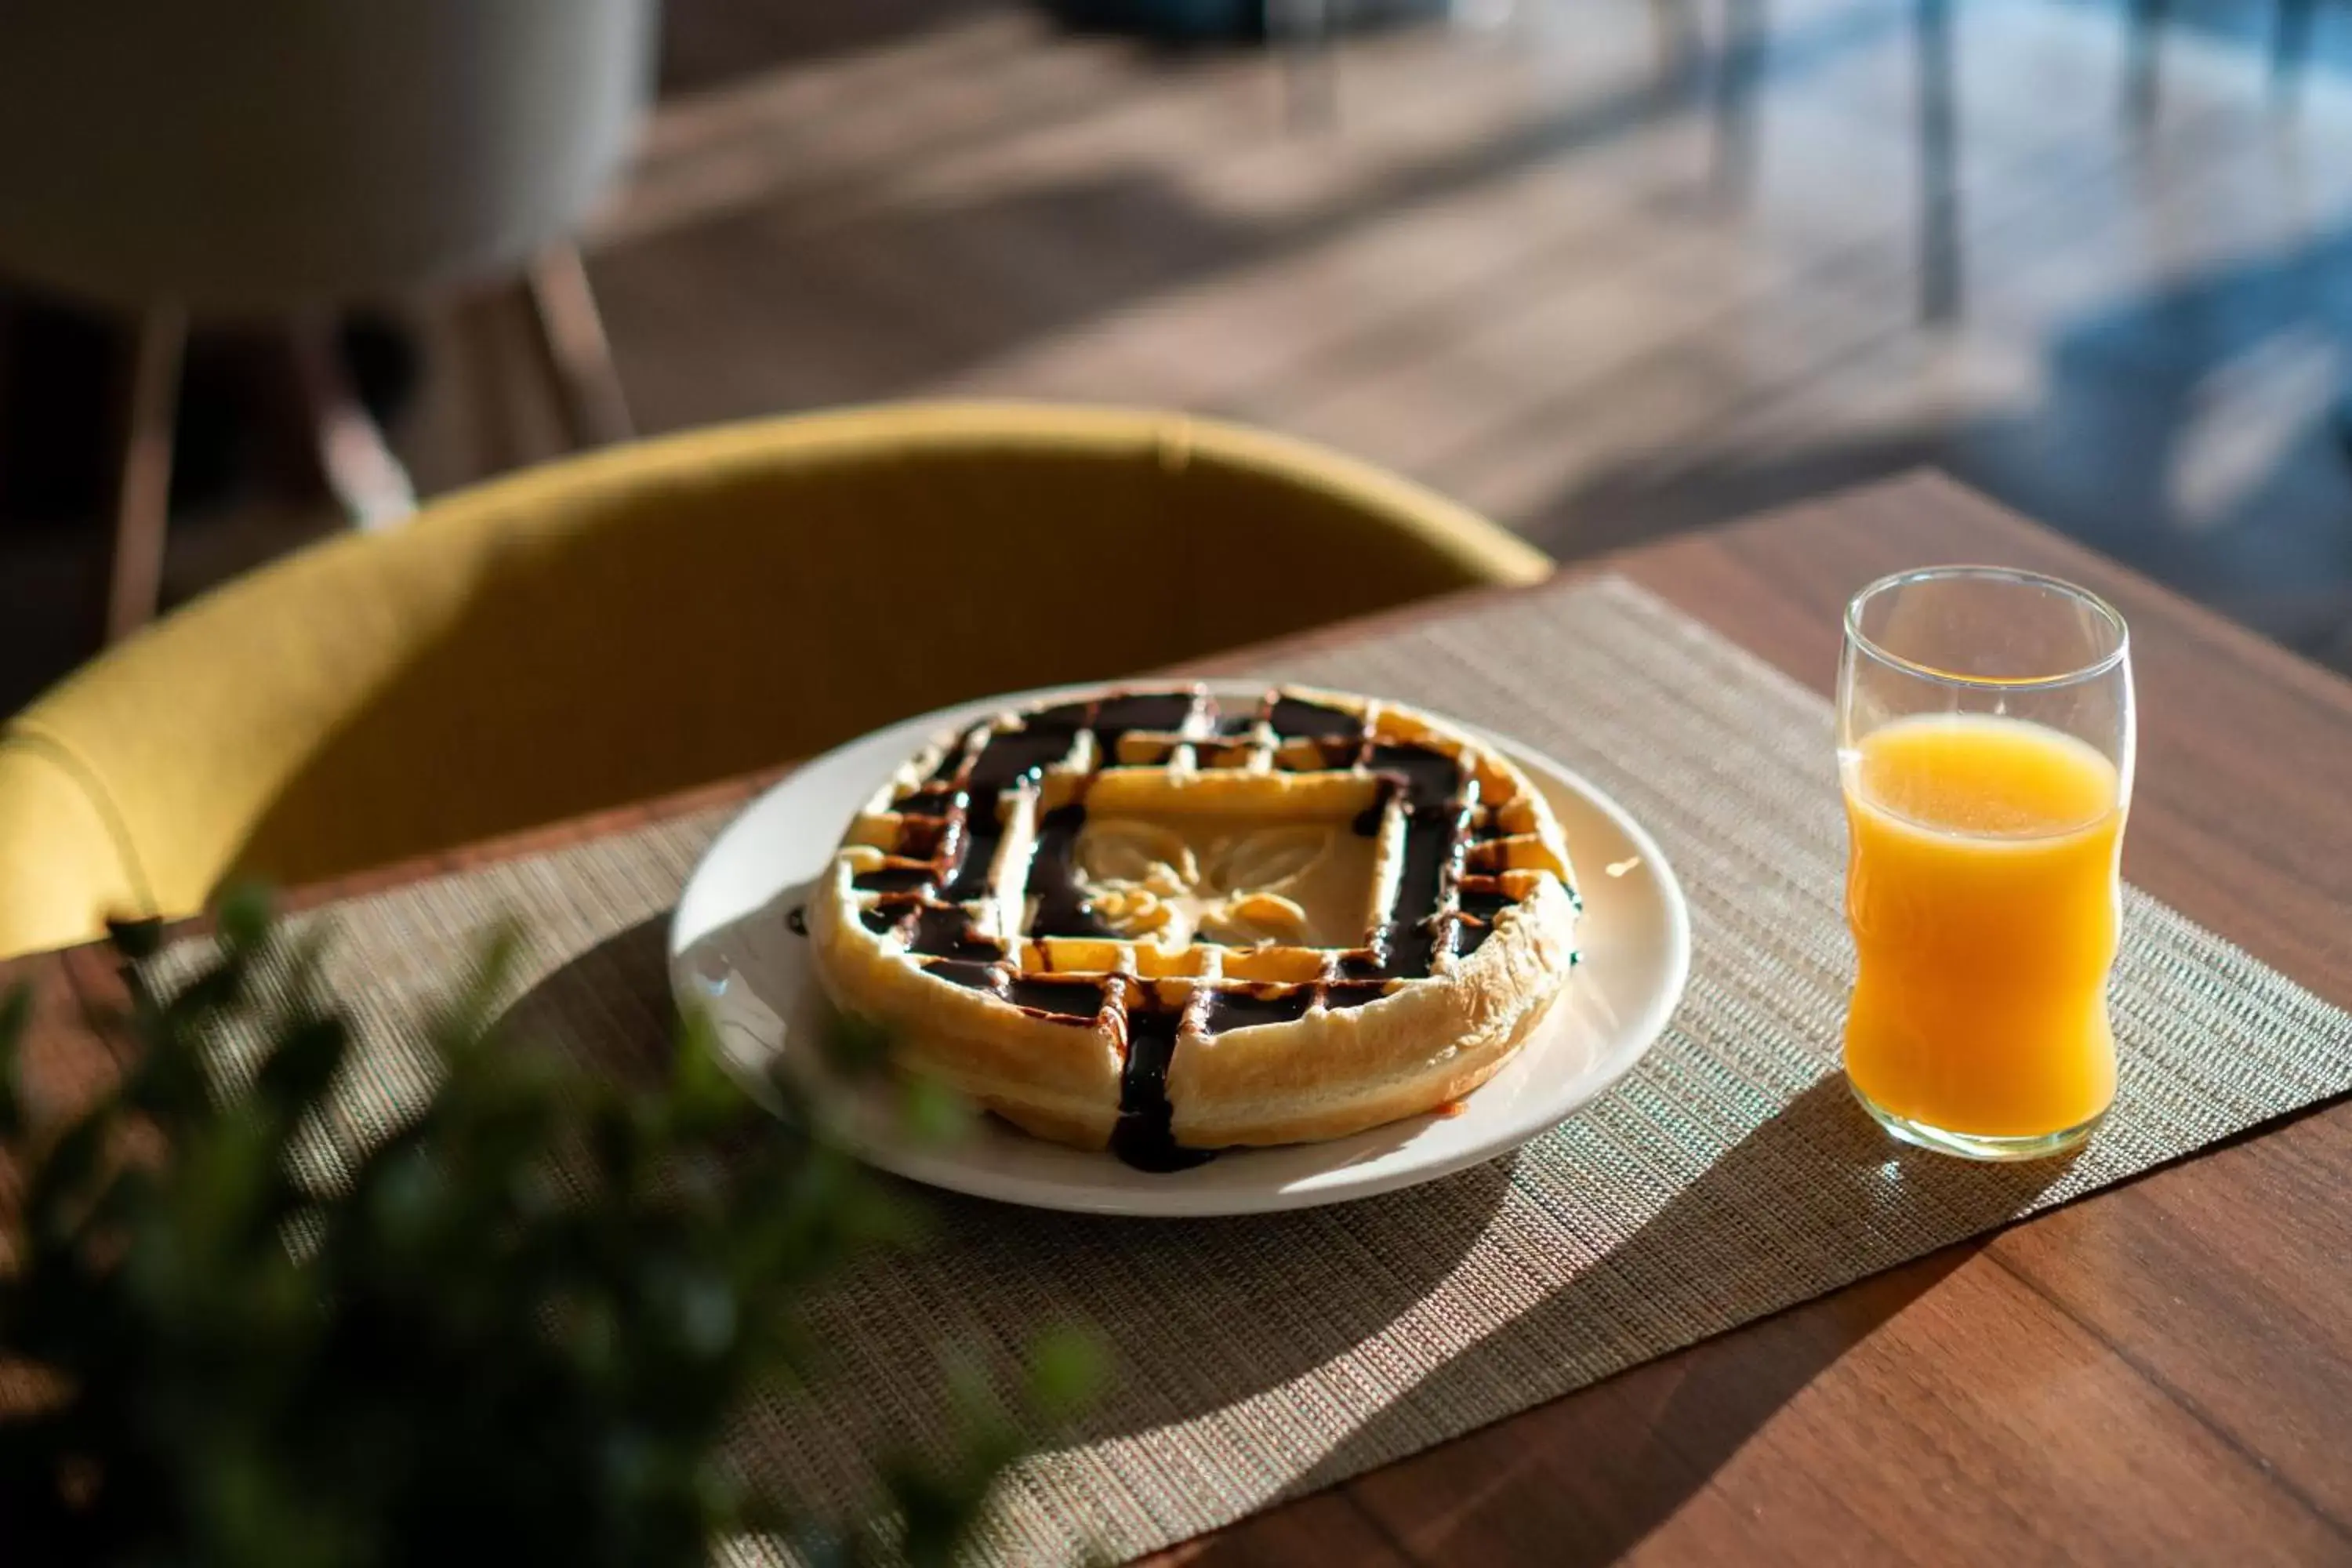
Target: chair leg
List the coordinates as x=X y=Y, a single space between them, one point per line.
x=2147 y=20
x=358 y=464
x=2290 y=47
x=1939 y=173
x=1737 y=76
x=494 y=366
x=143 y=501
x=1675 y=38
x=1301 y=31
x=579 y=356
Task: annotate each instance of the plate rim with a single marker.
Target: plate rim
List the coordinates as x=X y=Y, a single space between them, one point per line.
x=1183 y=1203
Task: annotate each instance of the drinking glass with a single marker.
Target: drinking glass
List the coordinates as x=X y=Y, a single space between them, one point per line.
x=1985 y=742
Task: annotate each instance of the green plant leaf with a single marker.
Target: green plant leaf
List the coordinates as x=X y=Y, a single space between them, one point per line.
x=931 y=1112
x=244 y=915
x=520 y=1316
x=137 y=938
x=64 y=1179
x=15 y=1021
x=856 y=1047
x=302 y=1061
x=1067 y=1369
x=703 y=1102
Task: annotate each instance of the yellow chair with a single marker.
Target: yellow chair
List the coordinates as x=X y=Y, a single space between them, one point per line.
x=617 y=626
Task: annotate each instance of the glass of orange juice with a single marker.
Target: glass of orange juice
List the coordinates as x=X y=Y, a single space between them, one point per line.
x=1985 y=739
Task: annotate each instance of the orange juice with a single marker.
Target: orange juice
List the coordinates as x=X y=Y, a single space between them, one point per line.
x=1984 y=894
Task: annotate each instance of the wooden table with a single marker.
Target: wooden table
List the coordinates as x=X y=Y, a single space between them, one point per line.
x=2161 y=1373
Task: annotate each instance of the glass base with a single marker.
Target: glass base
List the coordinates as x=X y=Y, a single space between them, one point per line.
x=1975 y=1145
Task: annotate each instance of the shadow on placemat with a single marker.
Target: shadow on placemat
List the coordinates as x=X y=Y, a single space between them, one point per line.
x=994 y=1274
x=609 y=1007
x=1636 y=1459
x=1207 y=1316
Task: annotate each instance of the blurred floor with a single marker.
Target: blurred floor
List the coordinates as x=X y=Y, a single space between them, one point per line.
x=1499 y=265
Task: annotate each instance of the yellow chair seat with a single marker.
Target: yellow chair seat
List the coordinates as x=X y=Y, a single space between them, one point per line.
x=618 y=626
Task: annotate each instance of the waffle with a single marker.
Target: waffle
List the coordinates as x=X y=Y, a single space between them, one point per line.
x=1153 y=923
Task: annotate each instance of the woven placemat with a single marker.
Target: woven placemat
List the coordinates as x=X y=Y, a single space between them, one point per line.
x=1730 y=1176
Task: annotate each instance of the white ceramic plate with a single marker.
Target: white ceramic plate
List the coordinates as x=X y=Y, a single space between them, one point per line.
x=732 y=951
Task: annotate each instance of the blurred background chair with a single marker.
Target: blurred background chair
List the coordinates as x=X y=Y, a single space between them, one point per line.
x=2290 y=51
x=1941 y=261
x=281 y=158
x=1732 y=73
x=613 y=626
x=1498 y=270
x=1738 y=76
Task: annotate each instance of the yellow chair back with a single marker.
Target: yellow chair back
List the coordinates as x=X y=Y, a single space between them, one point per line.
x=622 y=625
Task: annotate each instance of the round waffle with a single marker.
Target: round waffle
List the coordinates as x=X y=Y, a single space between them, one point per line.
x=1155 y=923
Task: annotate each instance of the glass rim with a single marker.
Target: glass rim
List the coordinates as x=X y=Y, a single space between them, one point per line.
x=2104 y=664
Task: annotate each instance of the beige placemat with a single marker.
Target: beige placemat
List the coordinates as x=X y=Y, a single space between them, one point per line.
x=1730 y=1176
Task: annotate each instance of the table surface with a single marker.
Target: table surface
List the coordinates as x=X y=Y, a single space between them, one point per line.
x=2160 y=1373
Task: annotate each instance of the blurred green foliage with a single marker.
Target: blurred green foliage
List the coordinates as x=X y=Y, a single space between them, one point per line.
x=519 y=1330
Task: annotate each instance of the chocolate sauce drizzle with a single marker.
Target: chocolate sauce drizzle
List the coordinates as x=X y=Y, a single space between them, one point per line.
x=1257 y=1004
x=1144 y=1135
x=1064 y=1000
x=1294 y=719
x=1063 y=908
x=944 y=931
x=1448 y=895
x=1162 y=713
x=898 y=877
